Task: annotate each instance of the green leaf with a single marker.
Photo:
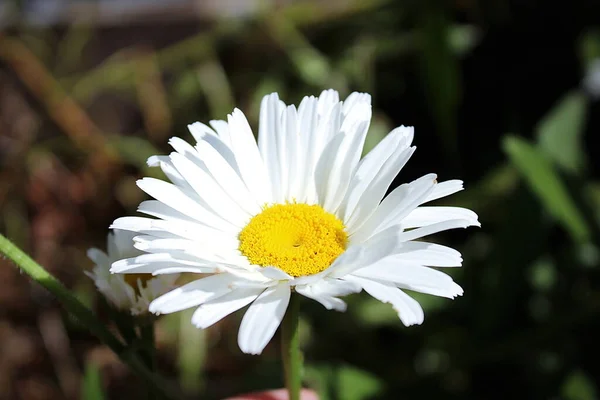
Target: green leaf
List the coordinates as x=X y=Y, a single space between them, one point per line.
x=547 y=185
x=355 y=384
x=343 y=382
x=560 y=132
x=440 y=70
x=92 y=383
x=578 y=387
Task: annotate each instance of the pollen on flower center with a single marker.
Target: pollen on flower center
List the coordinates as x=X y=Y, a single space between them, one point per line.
x=299 y=239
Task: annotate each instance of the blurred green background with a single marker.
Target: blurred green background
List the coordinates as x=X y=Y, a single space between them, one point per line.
x=502 y=94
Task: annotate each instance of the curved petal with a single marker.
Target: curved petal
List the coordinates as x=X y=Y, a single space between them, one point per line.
x=430 y=254
x=443 y=189
x=424 y=216
x=408 y=309
x=269 y=133
x=397 y=140
x=212 y=194
x=262 y=319
x=98 y=257
x=337 y=165
x=215 y=310
x=175 y=198
x=248 y=157
x=412 y=277
x=192 y=294
x=327 y=290
x=392 y=210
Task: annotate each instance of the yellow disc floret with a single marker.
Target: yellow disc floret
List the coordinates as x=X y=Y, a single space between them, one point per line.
x=299 y=239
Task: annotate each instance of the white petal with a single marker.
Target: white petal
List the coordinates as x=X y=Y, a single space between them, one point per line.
x=155 y=263
x=175 y=228
x=443 y=189
x=423 y=216
x=399 y=139
x=327 y=99
x=262 y=319
x=98 y=257
x=275 y=273
x=429 y=254
x=295 y=155
x=412 y=277
x=227 y=177
x=212 y=195
x=307 y=121
x=373 y=250
x=216 y=142
x=392 y=210
x=248 y=157
x=165 y=164
x=431 y=229
x=375 y=190
x=215 y=310
x=160 y=210
x=173 y=197
x=329 y=302
x=152 y=244
x=408 y=309
x=192 y=294
x=199 y=131
x=325 y=291
x=222 y=129
x=269 y=132
x=337 y=165
x=185 y=150
x=355 y=99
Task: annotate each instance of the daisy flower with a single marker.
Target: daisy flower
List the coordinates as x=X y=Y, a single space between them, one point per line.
x=132 y=292
x=297 y=211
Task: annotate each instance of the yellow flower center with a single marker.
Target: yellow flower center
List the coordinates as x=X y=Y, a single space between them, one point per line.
x=299 y=239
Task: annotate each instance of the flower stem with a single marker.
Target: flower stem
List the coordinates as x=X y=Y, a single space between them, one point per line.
x=290 y=349
x=82 y=313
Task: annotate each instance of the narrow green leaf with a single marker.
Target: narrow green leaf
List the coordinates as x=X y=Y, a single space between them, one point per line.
x=440 y=73
x=547 y=185
x=92 y=383
x=560 y=132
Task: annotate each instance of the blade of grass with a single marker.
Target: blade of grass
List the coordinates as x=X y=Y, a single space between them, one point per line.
x=83 y=314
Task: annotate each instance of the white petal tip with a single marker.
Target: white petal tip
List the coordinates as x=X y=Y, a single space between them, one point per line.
x=153 y=161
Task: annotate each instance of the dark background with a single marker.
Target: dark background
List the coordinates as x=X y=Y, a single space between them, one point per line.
x=495 y=90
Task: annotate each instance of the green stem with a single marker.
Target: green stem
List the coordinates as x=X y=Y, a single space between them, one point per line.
x=82 y=313
x=290 y=349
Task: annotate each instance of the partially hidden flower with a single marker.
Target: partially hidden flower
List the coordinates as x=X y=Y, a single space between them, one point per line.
x=297 y=211
x=132 y=292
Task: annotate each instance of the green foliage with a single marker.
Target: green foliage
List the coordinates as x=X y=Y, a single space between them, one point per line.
x=546 y=183
x=343 y=382
x=92 y=383
x=560 y=133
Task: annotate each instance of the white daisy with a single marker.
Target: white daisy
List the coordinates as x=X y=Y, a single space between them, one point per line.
x=132 y=292
x=299 y=211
